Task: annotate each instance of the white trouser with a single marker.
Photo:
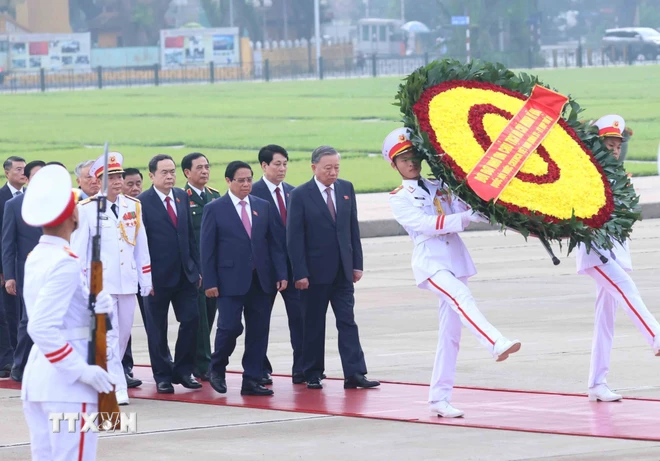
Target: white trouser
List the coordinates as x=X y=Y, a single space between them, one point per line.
x=615 y=287
x=122 y=322
x=457 y=307
x=47 y=445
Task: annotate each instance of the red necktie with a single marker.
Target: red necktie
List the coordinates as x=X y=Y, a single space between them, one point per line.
x=280 y=204
x=170 y=210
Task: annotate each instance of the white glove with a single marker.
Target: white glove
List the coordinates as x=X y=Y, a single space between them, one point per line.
x=466 y=218
x=144 y=291
x=104 y=304
x=478 y=217
x=98 y=378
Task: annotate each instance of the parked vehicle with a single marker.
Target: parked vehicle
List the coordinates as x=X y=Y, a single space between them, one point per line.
x=632 y=42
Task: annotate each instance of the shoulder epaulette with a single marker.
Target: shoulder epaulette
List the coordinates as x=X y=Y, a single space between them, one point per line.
x=85 y=201
x=396 y=190
x=213 y=190
x=70 y=253
x=132 y=198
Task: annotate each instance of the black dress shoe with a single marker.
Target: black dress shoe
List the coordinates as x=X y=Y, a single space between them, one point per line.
x=358 y=380
x=16 y=374
x=132 y=383
x=255 y=388
x=202 y=376
x=266 y=380
x=165 y=388
x=298 y=378
x=314 y=383
x=218 y=382
x=5 y=371
x=187 y=381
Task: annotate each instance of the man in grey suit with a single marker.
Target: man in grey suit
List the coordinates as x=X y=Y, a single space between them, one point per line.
x=18 y=240
x=9 y=315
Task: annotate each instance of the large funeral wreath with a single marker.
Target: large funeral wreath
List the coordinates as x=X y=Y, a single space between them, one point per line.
x=571 y=187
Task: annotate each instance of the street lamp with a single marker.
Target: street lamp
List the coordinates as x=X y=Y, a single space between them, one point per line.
x=262 y=5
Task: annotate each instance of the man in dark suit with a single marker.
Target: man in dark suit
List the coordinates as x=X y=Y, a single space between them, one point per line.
x=9 y=311
x=323 y=241
x=18 y=240
x=175 y=274
x=274 y=162
x=197 y=171
x=132 y=187
x=244 y=265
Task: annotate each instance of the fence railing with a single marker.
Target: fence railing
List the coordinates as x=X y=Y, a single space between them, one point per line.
x=361 y=66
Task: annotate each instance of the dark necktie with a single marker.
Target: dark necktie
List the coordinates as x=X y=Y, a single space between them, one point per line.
x=331 y=204
x=170 y=211
x=17 y=193
x=280 y=204
x=114 y=210
x=203 y=196
x=423 y=186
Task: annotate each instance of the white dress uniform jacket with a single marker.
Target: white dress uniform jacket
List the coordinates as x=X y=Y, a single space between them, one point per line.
x=619 y=254
x=124 y=248
x=433 y=225
x=56 y=298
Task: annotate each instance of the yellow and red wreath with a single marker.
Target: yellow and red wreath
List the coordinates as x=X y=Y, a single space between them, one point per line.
x=562 y=190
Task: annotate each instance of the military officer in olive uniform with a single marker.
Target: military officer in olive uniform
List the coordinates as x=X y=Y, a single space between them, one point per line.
x=196 y=169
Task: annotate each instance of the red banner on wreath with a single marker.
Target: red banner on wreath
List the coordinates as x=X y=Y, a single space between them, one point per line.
x=522 y=136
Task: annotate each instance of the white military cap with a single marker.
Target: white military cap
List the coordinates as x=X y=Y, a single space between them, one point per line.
x=115 y=161
x=396 y=142
x=49 y=198
x=611 y=126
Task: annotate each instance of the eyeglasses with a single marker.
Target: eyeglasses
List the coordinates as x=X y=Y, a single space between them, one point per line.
x=243 y=180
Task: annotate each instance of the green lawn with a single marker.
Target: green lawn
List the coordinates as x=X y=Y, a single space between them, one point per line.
x=233 y=120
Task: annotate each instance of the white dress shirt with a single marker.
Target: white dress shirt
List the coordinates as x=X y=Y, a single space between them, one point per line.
x=239 y=208
x=199 y=192
x=322 y=188
x=14 y=190
x=171 y=196
x=272 y=187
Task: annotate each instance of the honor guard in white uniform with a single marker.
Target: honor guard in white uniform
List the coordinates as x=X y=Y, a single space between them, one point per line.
x=614 y=288
x=433 y=217
x=57 y=378
x=125 y=257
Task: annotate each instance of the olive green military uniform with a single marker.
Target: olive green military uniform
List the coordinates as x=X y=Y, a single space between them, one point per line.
x=207 y=306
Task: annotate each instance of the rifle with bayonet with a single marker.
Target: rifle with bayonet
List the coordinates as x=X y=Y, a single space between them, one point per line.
x=108 y=409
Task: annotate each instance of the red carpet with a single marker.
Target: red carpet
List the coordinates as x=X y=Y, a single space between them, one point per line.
x=542 y=412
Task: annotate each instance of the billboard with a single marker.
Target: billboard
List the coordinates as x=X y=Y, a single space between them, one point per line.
x=31 y=52
x=199 y=47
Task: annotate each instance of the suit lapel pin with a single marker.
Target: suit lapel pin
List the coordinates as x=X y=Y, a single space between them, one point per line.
x=287 y=194
x=345 y=197
x=189 y=191
x=178 y=201
x=255 y=213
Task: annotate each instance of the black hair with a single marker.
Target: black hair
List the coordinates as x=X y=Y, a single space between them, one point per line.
x=234 y=166
x=56 y=163
x=33 y=164
x=10 y=162
x=267 y=153
x=153 y=163
x=187 y=161
x=131 y=172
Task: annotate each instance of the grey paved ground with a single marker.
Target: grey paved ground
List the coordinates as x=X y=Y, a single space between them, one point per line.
x=549 y=308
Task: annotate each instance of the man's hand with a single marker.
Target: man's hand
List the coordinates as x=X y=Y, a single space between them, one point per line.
x=302 y=284
x=212 y=293
x=357 y=275
x=10 y=286
x=281 y=285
